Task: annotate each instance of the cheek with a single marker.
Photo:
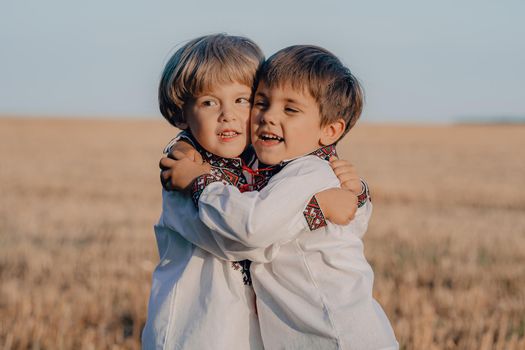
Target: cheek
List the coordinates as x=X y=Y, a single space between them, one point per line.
x=254 y=115
x=253 y=119
x=253 y=128
x=201 y=128
x=245 y=119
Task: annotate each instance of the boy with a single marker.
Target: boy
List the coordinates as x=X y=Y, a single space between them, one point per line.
x=206 y=89
x=192 y=289
x=315 y=290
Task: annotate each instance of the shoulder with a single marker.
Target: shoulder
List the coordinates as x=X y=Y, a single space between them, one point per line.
x=308 y=167
x=184 y=136
x=308 y=164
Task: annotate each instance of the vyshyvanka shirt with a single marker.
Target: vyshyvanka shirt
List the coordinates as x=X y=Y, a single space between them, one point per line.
x=201 y=295
x=198 y=301
x=313 y=283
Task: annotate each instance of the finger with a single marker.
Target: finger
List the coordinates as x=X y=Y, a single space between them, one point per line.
x=166 y=163
x=165 y=177
x=176 y=155
x=349 y=179
x=194 y=156
x=345 y=177
x=341 y=164
x=333 y=158
x=345 y=170
x=334 y=162
x=197 y=157
x=352 y=186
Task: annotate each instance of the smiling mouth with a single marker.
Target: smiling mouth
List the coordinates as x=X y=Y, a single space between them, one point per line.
x=229 y=134
x=270 y=137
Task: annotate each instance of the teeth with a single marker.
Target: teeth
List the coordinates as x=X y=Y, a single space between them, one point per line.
x=228 y=134
x=271 y=137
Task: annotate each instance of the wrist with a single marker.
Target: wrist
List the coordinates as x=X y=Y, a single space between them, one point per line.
x=321 y=199
x=200 y=183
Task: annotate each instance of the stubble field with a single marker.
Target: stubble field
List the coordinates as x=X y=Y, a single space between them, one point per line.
x=78 y=200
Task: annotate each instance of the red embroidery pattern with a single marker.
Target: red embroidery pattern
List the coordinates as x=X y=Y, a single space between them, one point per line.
x=325 y=152
x=364 y=195
x=314 y=215
x=200 y=183
x=225 y=170
x=259 y=178
x=231 y=176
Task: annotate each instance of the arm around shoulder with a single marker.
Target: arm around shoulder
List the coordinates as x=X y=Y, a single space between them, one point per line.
x=180 y=215
x=273 y=215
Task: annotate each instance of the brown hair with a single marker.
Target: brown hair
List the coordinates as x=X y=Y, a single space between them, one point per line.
x=317 y=71
x=203 y=63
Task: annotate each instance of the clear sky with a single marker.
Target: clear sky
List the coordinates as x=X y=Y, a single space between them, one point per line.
x=419 y=61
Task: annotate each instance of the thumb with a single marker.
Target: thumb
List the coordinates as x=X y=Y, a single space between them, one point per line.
x=197 y=158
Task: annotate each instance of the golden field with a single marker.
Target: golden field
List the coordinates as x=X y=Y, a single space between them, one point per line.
x=79 y=199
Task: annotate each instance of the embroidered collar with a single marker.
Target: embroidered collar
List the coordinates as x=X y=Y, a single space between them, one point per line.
x=324 y=153
x=260 y=177
x=213 y=159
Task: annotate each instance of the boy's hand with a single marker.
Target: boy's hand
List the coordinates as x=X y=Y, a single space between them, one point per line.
x=179 y=174
x=183 y=149
x=338 y=205
x=347 y=175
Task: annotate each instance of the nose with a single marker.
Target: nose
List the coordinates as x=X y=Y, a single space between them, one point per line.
x=267 y=116
x=227 y=113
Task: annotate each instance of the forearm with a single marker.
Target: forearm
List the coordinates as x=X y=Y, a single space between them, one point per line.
x=180 y=215
x=272 y=216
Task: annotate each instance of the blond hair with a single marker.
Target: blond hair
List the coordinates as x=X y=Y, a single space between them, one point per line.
x=201 y=65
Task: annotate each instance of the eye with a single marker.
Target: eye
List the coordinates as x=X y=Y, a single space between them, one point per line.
x=243 y=100
x=208 y=103
x=291 y=110
x=261 y=104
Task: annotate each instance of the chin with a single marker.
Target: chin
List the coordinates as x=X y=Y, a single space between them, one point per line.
x=268 y=159
x=229 y=153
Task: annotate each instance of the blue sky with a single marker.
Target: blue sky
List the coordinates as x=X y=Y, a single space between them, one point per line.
x=419 y=61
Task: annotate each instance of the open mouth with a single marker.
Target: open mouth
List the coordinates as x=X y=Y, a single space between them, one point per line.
x=270 y=137
x=228 y=134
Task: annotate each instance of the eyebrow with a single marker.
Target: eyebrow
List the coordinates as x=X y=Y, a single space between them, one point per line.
x=262 y=94
x=291 y=100
x=237 y=93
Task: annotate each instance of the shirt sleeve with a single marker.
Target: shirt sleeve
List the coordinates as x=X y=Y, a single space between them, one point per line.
x=180 y=215
x=272 y=216
x=314 y=215
x=359 y=223
x=183 y=135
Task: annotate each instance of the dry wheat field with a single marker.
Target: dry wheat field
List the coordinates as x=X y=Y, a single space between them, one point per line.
x=79 y=198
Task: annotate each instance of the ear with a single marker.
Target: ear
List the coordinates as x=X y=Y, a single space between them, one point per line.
x=330 y=133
